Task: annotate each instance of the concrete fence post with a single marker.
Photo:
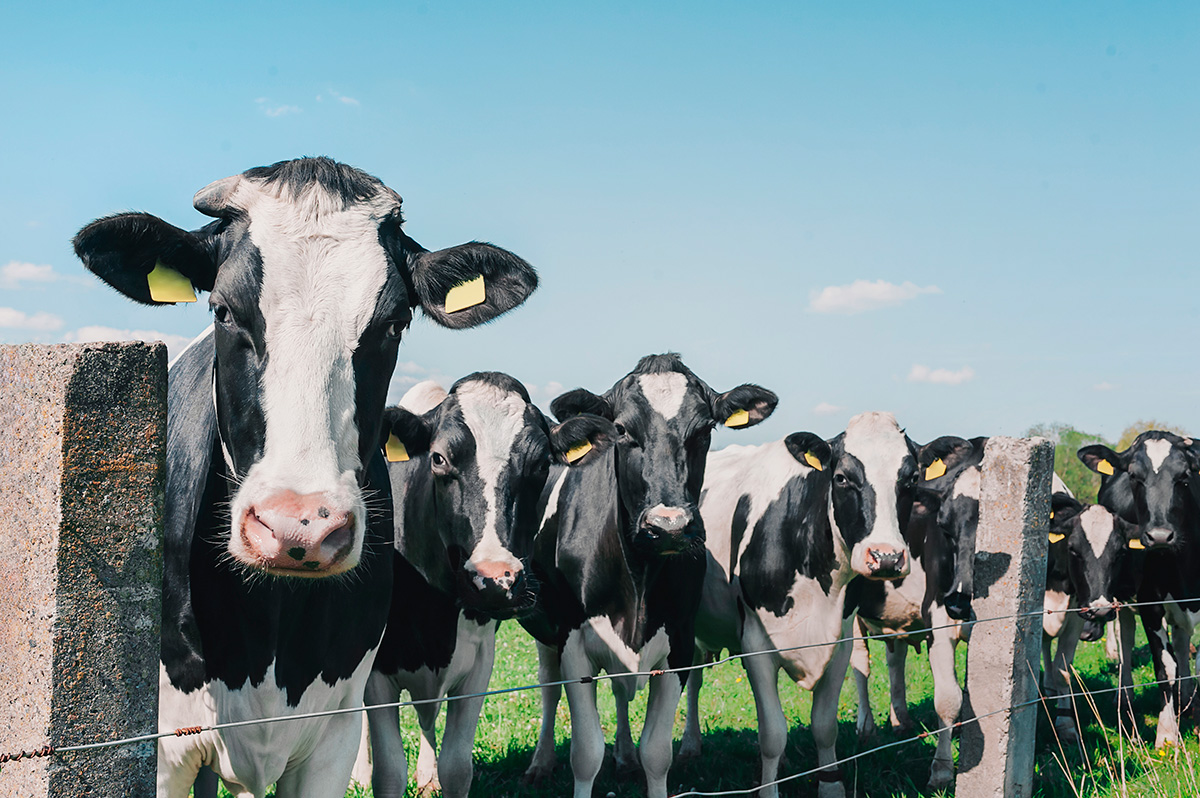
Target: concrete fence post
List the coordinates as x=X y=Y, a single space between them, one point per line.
x=996 y=752
x=82 y=468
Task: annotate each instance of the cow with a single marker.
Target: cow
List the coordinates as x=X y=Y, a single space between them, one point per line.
x=791 y=524
x=277 y=568
x=928 y=604
x=1153 y=485
x=465 y=496
x=620 y=560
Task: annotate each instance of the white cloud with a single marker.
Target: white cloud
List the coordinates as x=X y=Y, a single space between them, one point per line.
x=340 y=98
x=921 y=373
x=99 y=333
x=1104 y=386
x=826 y=409
x=13 y=273
x=16 y=319
x=270 y=109
x=864 y=295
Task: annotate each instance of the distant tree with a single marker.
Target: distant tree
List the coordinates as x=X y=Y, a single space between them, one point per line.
x=1138 y=427
x=1082 y=481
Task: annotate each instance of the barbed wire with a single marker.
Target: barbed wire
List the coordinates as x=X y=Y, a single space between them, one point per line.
x=49 y=750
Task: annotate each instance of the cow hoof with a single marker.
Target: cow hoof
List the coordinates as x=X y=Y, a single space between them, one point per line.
x=536 y=773
x=941 y=774
x=902 y=725
x=628 y=768
x=429 y=789
x=688 y=749
x=866 y=730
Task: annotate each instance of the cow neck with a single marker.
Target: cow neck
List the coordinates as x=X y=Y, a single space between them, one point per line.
x=418 y=526
x=842 y=574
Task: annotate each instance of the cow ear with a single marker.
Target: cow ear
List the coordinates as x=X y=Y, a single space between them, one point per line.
x=405 y=435
x=146 y=259
x=1101 y=459
x=744 y=406
x=942 y=455
x=809 y=449
x=581 y=439
x=470 y=284
x=580 y=400
x=1063 y=507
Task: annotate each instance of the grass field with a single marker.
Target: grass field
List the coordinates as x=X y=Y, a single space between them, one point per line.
x=1107 y=766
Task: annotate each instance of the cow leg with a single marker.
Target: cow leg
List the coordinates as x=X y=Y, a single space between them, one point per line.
x=1181 y=638
x=587 y=737
x=860 y=660
x=763 y=674
x=897 y=656
x=544 y=759
x=1126 y=628
x=427 y=756
x=455 y=768
x=655 y=743
x=326 y=772
x=947 y=700
x=1059 y=677
x=389 y=768
x=206 y=784
x=689 y=746
x=361 y=774
x=824 y=720
x=625 y=755
x=179 y=764
x=1164 y=672
x=1112 y=640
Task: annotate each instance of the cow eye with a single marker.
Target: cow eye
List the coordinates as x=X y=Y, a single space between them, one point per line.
x=393 y=330
x=221 y=313
x=620 y=428
x=840 y=480
x=440 y=464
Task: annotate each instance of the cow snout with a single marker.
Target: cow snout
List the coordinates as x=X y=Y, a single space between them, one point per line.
x=886 y=562
x=302 y=535
x=1097 y=612
x=1159 y=536
x=501 y=589
x=958 y=605
x=1092 y=631
x=666 y=519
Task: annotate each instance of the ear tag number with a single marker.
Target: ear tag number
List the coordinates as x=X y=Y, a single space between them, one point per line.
x=1136 y=544
x=168 y=285
x=812 y=460
x=738 y=418
x=466 y=294
x=1105 y=467
x=578 y=450
x=1055 y=537
x=936 y=469
x=395 y=450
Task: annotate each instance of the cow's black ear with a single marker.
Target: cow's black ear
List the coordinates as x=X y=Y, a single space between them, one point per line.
x=146 y=259
x=1101 y=459
x=1063 y=508
x=943 y=455
x=809 y=449
x=744 y=406
x=470 y=284
x=405 y=435
x=581 y=439
x=580 y=400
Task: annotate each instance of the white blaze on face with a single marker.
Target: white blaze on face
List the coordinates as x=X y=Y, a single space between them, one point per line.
x=495 y=417
x=968 y=483
x=876 y=441
x=322 y=272
x=1058 y=486
x=1157 y=450
x=1097 y=526
x=664 y=392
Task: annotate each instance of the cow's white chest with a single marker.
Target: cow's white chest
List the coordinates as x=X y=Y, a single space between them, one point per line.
x=1056 y=607
x=814 y=618
x=254 y=756
x=472 y=642
x=596 y=647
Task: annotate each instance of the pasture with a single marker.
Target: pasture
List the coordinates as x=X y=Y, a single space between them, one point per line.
x=1107 y=766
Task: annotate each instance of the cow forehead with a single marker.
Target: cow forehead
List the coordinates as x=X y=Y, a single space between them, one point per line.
x=1097 y=524
x=664 y=391
x=495 y=416
x=876 y=441
x=968 y=483
x=1157 y=450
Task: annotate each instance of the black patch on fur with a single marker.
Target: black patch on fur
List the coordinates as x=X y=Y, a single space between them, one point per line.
x=337 y=179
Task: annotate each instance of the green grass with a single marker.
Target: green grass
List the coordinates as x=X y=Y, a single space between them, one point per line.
x=508 y=730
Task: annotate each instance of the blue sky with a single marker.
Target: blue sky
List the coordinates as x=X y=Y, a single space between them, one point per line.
x=978 y=216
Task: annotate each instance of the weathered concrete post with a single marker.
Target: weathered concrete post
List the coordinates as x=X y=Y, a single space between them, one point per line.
x=82 y=448
x=1003 y=660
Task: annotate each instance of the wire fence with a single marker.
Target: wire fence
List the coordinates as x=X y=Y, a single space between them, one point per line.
x=50 y=750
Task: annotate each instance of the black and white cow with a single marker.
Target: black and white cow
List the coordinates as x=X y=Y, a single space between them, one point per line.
x=277 y=568
x=465 y=512
x=928 y=604
x=1154 y=485
x=790 y=525
x=1088 y=573
x=620 y=560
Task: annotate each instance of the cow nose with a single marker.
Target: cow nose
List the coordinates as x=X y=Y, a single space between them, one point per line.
x=1098 y=613
x=1160 y=536
x=1092 y=631
x=958 y=605
x=497 y=584
x=304 y=534
x=666 y=519
x=886 y=562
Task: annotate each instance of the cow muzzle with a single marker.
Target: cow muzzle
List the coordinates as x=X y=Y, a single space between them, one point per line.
x=497 y=589
x=1100 y=611
x=290 y=534
x=1158 y=537
x=886 y=562
x=668 y=530
x=958 y=605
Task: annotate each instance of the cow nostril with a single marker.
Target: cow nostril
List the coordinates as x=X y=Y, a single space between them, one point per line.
x=339 y=538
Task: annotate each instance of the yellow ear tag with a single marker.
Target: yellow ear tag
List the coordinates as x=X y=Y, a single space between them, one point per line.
x=395 y=450
x=1051 y=515
x=1055 y=537
x=465 y=295
x=1105 y=467
x=812 y=460
x=738 y=418
x=168 y=285
x=935 y=469
x=578 y=450
x=1136 y=543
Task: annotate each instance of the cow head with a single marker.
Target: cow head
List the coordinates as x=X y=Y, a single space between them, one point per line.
x=1150 y=484
x=312 y=282
x=488 y=451
x=664 y=417
x=948 y=491
x=1093 y=542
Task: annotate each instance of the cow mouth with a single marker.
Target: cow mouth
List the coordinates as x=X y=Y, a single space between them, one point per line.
x=292 y=561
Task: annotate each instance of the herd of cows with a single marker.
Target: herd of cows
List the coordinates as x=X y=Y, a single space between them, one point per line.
x=322 y=548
